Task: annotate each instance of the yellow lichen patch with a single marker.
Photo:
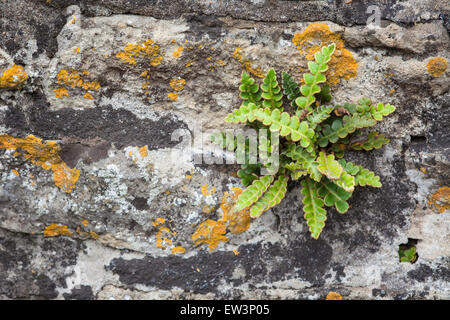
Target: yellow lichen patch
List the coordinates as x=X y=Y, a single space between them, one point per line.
x=178 y=249
x=46 y=155
x=437 y=66
x=15 y=172
x=177 y=84
x=74 y=79
x=333 y=296
x=247 y=64
x=158 y=221
x=317 y=35
x=160 y=240
x=94 y=235
x=55 y=230
x=188 y=176
x=237 y=222
x=177 y=53
x=147 y=49
x=236 y=253
x=205 y=190
x=143 y=151
x=210 y=232
x=76 y=50
x=13 y=77
x=89 y=96
x=172 y=96
x=207 y=209
x=441 y=199
x=423 y=170
x=61 y=92
x=156 y=61
x=85 y=222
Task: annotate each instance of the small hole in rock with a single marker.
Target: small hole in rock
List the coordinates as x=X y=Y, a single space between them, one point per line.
x=407 y=252
x=418 y=139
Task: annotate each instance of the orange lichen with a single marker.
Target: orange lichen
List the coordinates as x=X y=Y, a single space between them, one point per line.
x=15 y=172
x=177 y=84
x=236 y=253
x=94 y=235
x=207 y=209
x=143 y=151
x=147 y=49
x=437 y=66
x=188 y=176
x=61 y=92
x=441 y=199
x=46 y=155
x=210 y=232
x=333 y=296
x=89 y=96
x=247 y=64
x=237 y=222
x=55 y=230
x=85 y=222
x=160 y=240
x=317 y=35
x=13 y=77
x=205 y=190
x=178 y=249
x=172 y=96
x=423 y=170
x=177 y=53
x=74 y=79
x=76 y=50
x=158 y=221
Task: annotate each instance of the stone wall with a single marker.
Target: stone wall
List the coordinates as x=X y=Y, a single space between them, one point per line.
x=93 y=207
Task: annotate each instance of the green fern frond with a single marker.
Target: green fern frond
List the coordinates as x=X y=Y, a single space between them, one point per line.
x=250 y=195
x=307 y=161
x=313 y=79
x=286 y=125
x=271 y=197
x=314 y=213
x=250 y=92
x=319 y=115
x=341 y=128
x=271 y=94
x=291 y=89
x=243 y=114
x=374 y=141
x=334 y=195
x=328 y=166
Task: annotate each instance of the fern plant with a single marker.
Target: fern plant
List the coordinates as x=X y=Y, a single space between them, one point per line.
x=313 y=139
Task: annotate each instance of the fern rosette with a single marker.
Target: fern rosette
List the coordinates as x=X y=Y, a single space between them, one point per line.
x=313 y=139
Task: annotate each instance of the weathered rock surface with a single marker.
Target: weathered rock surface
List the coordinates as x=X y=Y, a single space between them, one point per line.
x=79 y=216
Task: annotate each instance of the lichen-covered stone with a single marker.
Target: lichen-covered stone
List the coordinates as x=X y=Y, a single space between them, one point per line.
x=93 y=206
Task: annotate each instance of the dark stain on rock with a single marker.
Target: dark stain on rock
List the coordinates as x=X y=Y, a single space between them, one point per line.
x=118 y=126
x=140 y=203
x=47 y=288
x=81 y=293
x=307 y=260
x=201 y=25
x=71 y=153
x=423 y=272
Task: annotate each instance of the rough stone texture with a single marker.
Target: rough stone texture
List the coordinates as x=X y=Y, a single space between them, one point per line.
x=121 y=193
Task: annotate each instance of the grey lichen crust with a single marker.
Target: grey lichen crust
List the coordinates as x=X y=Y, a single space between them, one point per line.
x=104 y=237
